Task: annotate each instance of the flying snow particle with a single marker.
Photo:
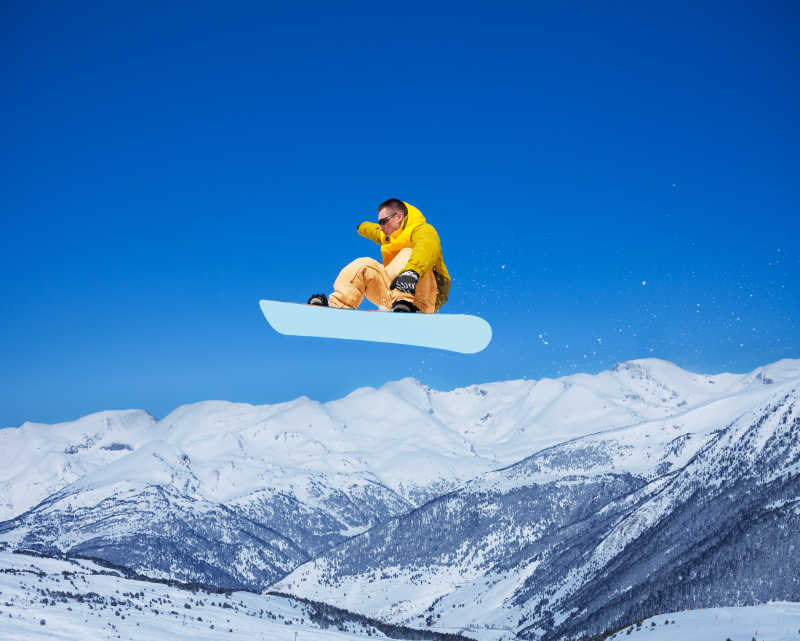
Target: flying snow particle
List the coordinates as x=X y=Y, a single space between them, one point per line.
x=644 y=282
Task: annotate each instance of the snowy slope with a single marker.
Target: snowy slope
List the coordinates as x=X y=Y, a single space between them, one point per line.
x=37 y=460
x=772 y=621
x=47 y=599
x=54 y=599
x=238 y=496
x=700 y=507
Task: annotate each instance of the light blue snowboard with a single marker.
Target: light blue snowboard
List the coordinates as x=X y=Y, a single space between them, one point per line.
x=455 y=332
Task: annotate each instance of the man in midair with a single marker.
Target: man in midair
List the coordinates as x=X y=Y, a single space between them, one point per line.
x=412 y=276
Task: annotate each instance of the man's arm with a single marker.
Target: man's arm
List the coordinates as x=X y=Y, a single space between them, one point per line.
x=426 y=248
x=371 y=231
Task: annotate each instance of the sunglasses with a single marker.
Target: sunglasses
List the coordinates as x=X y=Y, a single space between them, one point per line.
x=383 y=221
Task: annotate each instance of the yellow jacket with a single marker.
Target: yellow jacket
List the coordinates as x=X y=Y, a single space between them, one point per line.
x=426 y=248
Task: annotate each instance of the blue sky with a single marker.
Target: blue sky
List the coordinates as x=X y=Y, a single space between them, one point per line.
x=609 y=181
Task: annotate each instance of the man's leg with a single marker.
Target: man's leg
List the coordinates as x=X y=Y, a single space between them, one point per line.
x=427 y=291
x=425 y=296
x=362 y=277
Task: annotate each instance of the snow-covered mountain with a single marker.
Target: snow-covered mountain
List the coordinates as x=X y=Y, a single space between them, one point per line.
x=67 y=599
x=509 y=504
x=406 y=436
x=700 y=508
x=44 y=599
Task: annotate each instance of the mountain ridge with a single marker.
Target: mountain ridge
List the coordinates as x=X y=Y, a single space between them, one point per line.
x=338 y=575
x=241 y=496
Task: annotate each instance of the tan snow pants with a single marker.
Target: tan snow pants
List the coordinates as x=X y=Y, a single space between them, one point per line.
x=367 y=277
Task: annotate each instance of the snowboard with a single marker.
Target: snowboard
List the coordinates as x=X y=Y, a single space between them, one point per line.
x=454 y=332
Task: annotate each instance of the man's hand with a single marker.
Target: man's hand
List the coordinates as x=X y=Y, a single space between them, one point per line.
x=406 y=282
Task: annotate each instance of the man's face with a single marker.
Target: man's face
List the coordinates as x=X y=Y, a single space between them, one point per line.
x=390 y=221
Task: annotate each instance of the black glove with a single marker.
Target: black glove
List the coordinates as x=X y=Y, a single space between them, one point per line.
x=406 y=282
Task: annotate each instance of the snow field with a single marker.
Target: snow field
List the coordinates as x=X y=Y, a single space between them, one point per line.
x=778 y=621
x=49 y=599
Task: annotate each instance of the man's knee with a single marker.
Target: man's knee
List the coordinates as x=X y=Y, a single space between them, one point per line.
x=358 y=266
x=360 y=277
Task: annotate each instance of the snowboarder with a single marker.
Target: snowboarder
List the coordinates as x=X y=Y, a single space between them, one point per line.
x=413 y=276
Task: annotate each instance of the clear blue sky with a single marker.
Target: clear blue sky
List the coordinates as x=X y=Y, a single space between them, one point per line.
x=609 y=181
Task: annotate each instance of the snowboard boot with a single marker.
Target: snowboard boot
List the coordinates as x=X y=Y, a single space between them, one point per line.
x=404 y=306
x=320 y=300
